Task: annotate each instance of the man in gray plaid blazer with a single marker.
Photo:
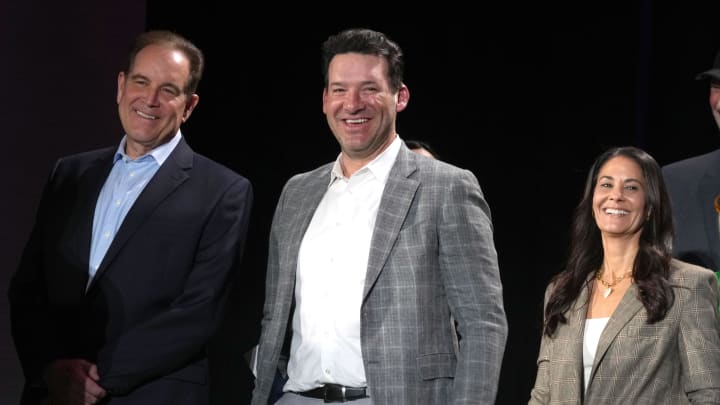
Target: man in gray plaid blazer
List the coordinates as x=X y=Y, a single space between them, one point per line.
x=372 y=254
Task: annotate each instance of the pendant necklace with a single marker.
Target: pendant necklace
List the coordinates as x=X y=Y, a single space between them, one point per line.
x=609 y=286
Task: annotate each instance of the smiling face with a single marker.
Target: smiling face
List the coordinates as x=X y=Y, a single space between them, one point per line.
x=151 y=100
x=619 y=198
x=360 y=105
x=715 y=100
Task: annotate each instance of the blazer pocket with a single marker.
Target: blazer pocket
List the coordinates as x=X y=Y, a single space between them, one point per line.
x=645 y=331
x=437 y=365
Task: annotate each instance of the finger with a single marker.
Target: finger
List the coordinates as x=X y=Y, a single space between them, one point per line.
x=93 y=372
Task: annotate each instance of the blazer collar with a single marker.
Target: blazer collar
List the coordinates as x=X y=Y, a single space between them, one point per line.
x=397 y=197
x=316 y=186
x=175 y=171
x=78 y=236
x=576 y=317
x=628 y=307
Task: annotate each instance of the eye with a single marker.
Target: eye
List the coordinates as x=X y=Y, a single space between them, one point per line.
x=170 y=91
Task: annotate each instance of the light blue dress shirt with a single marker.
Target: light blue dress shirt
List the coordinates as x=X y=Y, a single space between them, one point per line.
x=126 y=181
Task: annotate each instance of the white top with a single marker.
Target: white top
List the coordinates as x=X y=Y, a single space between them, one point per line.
x=591 y=337
x=332 y=263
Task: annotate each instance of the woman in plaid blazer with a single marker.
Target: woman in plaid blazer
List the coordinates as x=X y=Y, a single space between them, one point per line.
x=625 y=323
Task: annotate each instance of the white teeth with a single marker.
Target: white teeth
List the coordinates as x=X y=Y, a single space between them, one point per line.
x=142 y=114
x=356 y=121
x=616 y=211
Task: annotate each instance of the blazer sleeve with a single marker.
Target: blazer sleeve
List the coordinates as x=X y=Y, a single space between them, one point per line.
x=540 y=393
x=471 y=274
x=29 y=313
x=171 y=338
x=699 y=339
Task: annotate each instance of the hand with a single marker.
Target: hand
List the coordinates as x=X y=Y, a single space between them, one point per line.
x=73 y=382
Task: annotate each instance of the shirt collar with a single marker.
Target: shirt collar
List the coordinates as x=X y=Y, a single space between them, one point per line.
x=379 y=167
x=160 y=153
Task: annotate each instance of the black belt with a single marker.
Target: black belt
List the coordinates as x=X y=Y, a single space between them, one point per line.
x=335 y=393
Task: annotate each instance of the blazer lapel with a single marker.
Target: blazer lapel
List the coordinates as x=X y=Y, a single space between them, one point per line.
x=626 y=310
x=576 y=329
x=396 y=199
x=78 y=237
x=173 y=172
x=316 y=187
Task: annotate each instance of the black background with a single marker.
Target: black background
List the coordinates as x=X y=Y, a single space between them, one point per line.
x=525 y=97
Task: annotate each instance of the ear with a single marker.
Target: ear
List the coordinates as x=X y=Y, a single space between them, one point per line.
x=403 y=97
x=190 y=106
x=324 y=99
x=120 y=87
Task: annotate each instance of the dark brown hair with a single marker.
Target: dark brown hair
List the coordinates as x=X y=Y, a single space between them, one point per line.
x=367 y=42
x=175 y=41
x=651 y=269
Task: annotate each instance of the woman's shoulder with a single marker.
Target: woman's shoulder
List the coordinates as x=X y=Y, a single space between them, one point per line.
x=685 y=273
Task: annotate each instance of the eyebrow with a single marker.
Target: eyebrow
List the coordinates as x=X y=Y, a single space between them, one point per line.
x=164 y=84
x=632 y=179
x=363 y=83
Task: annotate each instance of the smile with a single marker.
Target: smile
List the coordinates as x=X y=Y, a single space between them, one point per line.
x=147 y=116
x=615 y=211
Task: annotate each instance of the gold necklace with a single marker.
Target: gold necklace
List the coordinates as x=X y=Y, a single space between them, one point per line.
x=609 y=286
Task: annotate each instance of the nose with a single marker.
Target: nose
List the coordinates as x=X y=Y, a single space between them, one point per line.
x=152 y=95
x=616 y=194
x=353 y=102
x=715 y=98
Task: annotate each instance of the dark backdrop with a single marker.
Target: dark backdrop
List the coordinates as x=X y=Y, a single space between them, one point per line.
x=523 y=97
x=59 y=64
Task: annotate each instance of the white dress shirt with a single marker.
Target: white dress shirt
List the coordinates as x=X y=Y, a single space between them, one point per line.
x=332 y=263
x=591 y=337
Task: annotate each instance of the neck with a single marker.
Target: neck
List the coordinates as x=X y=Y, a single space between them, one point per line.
x=618 y=257
x=617 y=269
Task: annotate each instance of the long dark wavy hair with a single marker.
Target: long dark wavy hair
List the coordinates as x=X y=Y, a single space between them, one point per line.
x=651 y=269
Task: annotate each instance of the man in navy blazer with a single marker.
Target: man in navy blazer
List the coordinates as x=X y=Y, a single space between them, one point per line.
x=694 y=186
x=126 y=272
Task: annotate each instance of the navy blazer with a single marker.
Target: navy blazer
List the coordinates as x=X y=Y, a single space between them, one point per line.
x=159 y=292
x=693 y=185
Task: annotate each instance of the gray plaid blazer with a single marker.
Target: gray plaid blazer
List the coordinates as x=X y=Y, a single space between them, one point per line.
x=674 y=361
x=432 y=255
